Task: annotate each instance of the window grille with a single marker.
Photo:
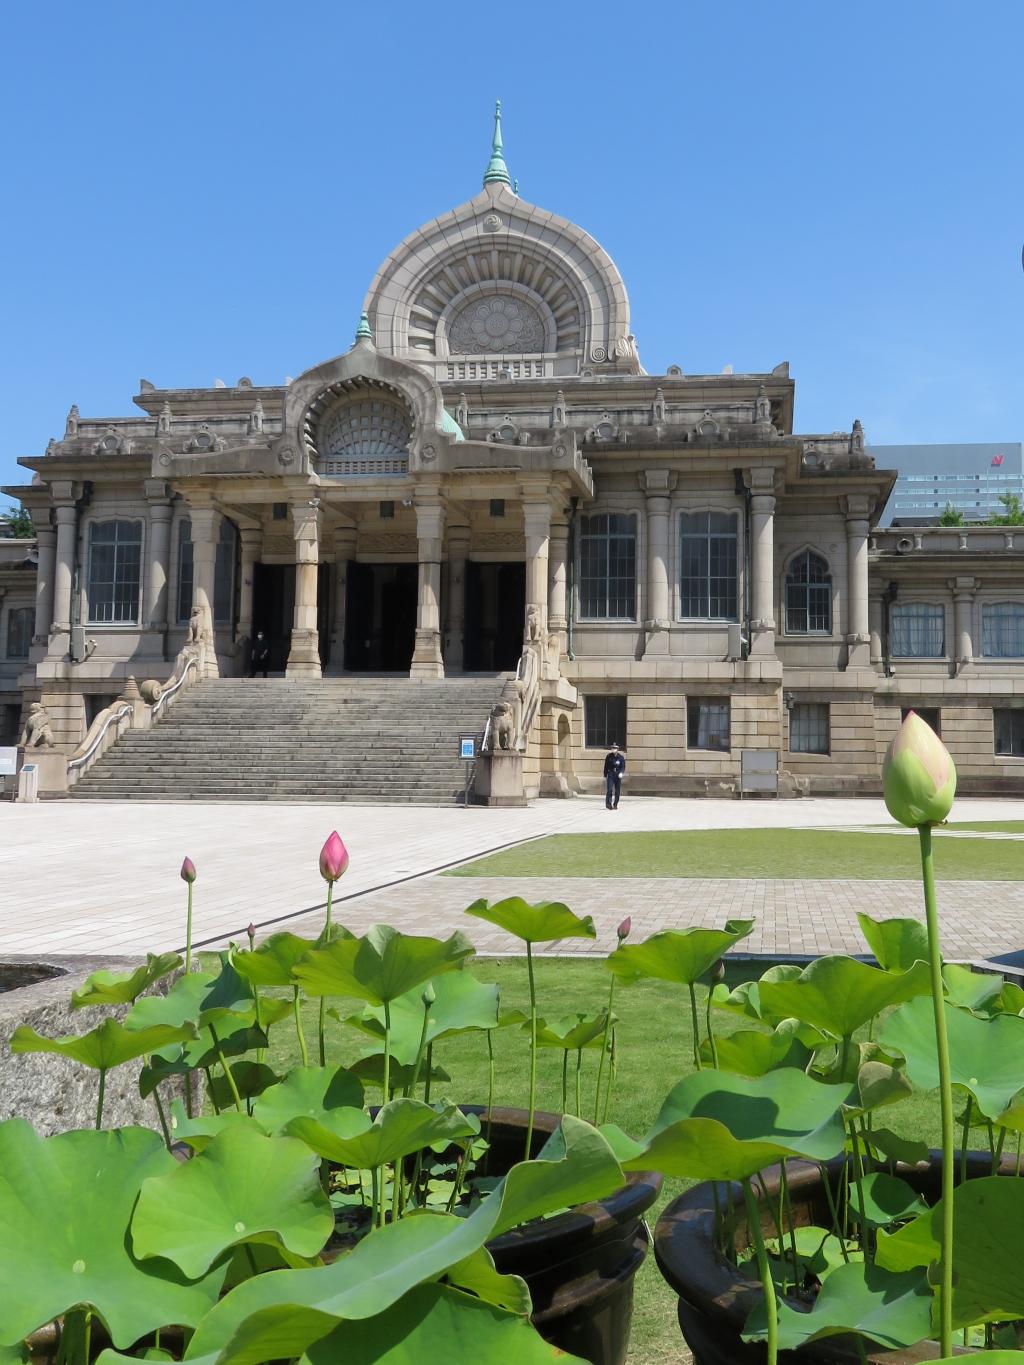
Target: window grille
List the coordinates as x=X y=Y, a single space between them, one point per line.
x=808 y=728
x=808 y=596
x=1009 y=732
x=115 y=559
x=1002 y=630
x=917 y=630
x=608 y=567
x=707 y=723
x=708 y=558
x=20 y=623
x=186 y=570
x=604 y=722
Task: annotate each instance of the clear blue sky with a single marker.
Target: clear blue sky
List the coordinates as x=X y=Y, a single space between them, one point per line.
x=205 y=190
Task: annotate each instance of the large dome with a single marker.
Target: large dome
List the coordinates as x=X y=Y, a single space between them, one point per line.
x=501 y=285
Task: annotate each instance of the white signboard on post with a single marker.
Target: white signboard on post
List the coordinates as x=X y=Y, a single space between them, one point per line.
x=8 y=762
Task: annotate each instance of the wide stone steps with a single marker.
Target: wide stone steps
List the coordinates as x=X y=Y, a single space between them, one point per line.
x=361 y=740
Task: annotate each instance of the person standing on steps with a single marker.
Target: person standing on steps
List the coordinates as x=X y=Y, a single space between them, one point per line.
x=614 y=767
x=260 y=658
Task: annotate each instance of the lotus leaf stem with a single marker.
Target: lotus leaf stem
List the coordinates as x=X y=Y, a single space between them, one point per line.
x=377 y=1211
x=430 y=1072
x=304 y=1051
x=325 y=937
x=711 y=1029
x=565 y=1079
x=827 y=1185
x=858 y=1176
x=1017 y=1168
x=764 y=1270
x=604 y=1051
x=163 y=1117
x=579 y=1063
x=490 y=1083
x=696 y=1026
x=410 y=1089
x=226 y=1069
x=790 y=1222
x=188 y=932
x=945 y=1095
x=965 y=1138
x=87 y=1342
x=387 y=1051
x=533 y=1048
x=613 y=1070
x=99 y=1098
x=209 y=1090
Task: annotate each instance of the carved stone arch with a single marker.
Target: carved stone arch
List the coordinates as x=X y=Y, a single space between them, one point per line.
x=545 y=324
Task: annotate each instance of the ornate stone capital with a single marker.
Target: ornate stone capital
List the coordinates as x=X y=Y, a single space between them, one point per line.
x=156 y=491
x=964 y=586
x=657 y=482
x=856 y=506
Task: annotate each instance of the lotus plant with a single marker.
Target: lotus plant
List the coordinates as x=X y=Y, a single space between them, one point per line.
x=333 y=865
x=188 y=876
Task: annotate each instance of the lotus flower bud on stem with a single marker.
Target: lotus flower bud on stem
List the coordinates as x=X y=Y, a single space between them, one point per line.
x=333 y=858
x=251 y=934
x=429 y=995
x=918 y=776
x=188 y=871
x=622 y=932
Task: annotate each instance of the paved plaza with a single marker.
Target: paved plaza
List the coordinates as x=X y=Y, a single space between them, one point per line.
x=103 y=878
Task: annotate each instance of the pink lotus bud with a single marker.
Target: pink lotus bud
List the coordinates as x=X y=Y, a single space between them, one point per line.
x=251 y=934
x=918 y=776
x=333 y=858
x=623 y=930
x=188 y=871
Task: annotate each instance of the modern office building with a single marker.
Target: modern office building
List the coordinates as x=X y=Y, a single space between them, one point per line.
x=971 y=477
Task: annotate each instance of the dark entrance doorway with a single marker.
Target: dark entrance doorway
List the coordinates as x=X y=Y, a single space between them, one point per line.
x=273 y=609
x=380 y=617
x=495 y=608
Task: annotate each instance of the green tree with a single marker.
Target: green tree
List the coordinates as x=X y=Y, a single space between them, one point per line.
x=951 y=516
x=19 y=523
x=1012 y=513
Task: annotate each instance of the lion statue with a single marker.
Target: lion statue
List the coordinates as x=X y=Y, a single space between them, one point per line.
x=37 y=733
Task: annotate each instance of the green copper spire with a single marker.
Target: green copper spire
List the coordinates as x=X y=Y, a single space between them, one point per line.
x=497 y=171
x=363 y=332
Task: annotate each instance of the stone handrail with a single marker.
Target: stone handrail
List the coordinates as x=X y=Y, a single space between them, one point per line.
x=183 y=666
x=908 y=540
x=84 y=755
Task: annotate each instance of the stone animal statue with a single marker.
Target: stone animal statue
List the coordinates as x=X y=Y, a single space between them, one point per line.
x=502 y=735
x=196 y=633
x=531 y=634
x=37 y=733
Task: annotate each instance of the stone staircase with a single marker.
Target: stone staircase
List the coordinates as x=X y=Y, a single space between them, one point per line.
x=365 y=740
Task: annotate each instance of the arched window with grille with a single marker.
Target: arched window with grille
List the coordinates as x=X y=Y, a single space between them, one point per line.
x=808 y=595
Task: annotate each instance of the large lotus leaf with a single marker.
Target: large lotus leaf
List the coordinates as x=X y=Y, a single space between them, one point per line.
x=370 y=1071
x=401 y=1127
x=271 y=963
x=307 y=1092
x=893 y=1310
x=576 y=1168
x=751 y=1052
x=1010 y=999
x=971 y=990
x=986 y=1056
x=229 y=995
x=478 y=1274
x=572 y=1032
x=986 y=1358
x=680 y=955
x=380 y=966
x=542 y=923
x=200 y=1051
x=65 y=1206
x=109 y=1045
x=887 y=1198
x=716 y=1126
x=199 y=1132
x=879 y=1082
x=242 y=1187
x=896 y=943
x=250 y=1078
x=886 y=1143
x=434 y=1323
x=461 y=1004
x=988 y=1215
x=181 y=1004
x=745 y=999
x=121 y=988
x=839 y=994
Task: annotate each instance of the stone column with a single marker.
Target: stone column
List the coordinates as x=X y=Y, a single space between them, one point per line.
x=64 y=567
x=346 y=538
x=963 y=589
x=858 y=638
x=657 y=484
x=46 y=548
x=761 y=483
x=537 y=526
x=558 y=569
x=454 y=639
x=205 y=532
x=426 y=658
x=875 y=626
x=304 y=655
x=158 y=570
x=251 y=538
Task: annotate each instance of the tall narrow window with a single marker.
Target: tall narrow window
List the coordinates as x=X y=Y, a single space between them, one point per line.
x=224 y=574
x=707 y=556
x=604 y=722
x=707 y=723
x=808 y=728
x=1002 y=630
x=808 y=596
x=114 y=578
x=917 y=630
x=185 y=570
x=608 y=567
x=20 y=621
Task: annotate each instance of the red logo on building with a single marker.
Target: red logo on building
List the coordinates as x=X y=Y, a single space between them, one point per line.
x=997 y=459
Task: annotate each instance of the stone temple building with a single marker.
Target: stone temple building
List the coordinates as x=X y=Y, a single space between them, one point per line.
x=488 y=484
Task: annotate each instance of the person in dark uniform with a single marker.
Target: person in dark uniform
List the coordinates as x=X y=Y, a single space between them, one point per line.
x=614 y=767
x=260 y=658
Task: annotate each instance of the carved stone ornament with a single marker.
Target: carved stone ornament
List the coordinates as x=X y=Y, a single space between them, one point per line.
x=71 y=426
x=496 y=323
x=37 y=733
x=201 y=442
x=598 y=354
x=462 y=412
x=256 y=417
x=531 y=628
x=507 y=431
x=558 y=410
x=857 y=439
x=428 y=454
x=492 y=223
x=561 y=451
x=286 y=456
x=165 y=459
x=708 y=426
x=658 y=407
x=605 y=430
x=501 y=734
x=163 y=421
x=150 y=691
x=109 y=443
x=625 y=348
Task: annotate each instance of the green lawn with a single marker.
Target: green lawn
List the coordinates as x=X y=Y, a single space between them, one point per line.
x=655 y=1042
x=773 y=853
x=1000 y=826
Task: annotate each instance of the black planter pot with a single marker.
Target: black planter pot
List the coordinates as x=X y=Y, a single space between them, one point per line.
x=715 y=1299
